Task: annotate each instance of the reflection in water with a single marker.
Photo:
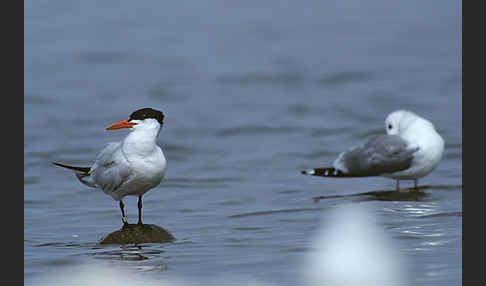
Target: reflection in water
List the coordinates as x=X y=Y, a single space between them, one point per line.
x=408 y=194
x=133 y=252
x=393 y=195
x=122 y=252
x=128 y=253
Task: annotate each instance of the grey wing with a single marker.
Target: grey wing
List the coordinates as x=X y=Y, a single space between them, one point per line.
x=111 y=170
x=381 y=154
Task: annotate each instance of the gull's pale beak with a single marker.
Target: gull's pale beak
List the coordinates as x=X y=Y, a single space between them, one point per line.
x=121 y=124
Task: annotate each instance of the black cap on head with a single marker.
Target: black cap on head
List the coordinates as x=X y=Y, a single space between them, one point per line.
x=144 y=113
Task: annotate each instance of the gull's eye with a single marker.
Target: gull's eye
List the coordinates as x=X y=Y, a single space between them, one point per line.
x=390 y=126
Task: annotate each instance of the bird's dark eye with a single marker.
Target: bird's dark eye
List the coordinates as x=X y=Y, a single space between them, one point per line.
x=390 y=126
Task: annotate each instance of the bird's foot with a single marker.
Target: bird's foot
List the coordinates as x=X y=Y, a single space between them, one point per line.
x=125 y=222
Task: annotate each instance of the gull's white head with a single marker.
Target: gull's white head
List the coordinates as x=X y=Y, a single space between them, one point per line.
x=399 y=121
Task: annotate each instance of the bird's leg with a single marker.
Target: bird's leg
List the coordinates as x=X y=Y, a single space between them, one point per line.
x=140 y=210
x=124 y=218
x=398 y=185
x=415 y=184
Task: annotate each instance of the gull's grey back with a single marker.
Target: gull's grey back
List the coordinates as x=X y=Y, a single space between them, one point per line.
x=380 y=154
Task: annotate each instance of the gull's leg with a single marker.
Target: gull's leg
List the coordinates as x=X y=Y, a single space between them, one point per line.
x=122 y=208
x=398 y=185
x=140 y=210
x=415 y=184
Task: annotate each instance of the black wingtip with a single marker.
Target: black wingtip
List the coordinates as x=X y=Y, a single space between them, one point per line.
x=326 y=172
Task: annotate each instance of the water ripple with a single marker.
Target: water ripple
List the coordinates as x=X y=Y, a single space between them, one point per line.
x=271 y=212
x=101 y=57
x=345 y=77
x=255 y=130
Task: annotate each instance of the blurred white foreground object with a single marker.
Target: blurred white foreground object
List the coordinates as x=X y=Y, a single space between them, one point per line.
x=351 y=249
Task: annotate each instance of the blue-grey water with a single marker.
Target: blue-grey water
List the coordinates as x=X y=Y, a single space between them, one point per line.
x=253 y=92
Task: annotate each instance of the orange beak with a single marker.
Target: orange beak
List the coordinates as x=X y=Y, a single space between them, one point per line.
x=121 y=124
